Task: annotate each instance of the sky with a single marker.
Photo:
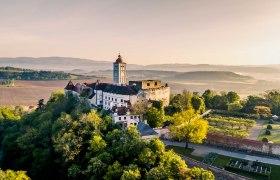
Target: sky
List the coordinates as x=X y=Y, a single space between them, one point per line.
x=236 y=32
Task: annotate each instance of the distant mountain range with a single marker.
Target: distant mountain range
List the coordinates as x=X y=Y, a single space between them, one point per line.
x=164 y=71
x=194 y=77
x=87 y=65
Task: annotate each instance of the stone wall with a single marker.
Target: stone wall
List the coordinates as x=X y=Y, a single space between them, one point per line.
x=246 y=145
x=158 y=94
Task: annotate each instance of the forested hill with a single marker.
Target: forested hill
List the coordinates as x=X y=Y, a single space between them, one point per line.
x=28 y=74
x=66 y=139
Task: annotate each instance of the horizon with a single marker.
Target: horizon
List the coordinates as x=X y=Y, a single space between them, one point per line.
x=111 y=61
x=232 y=32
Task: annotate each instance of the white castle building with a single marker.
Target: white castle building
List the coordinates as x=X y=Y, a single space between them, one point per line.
x=119 y=97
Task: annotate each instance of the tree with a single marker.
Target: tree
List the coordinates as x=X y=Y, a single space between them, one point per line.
x=263 y=111
x=198 y=104
x=157 y=173
x=265 y=140
x=10 y=174
x=181 y=102
x=273 y=100
x=208 y=95
x=252 y=102
x=154 y=117
x=97 y=144
x=199 y=173
x=234 y=107
x=189 y=126
x=141 y=106
x=131 y=175
x=219 y=102
x=232 y=97
x=267 y=132
x=114 y=171
x=70 y=141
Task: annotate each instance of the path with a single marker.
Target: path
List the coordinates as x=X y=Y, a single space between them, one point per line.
x=256 y=130
x=202 y=149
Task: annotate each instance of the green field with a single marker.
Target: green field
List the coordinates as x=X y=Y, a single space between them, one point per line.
x=275 y=133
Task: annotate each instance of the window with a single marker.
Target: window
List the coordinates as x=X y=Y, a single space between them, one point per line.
x=135 y=117
x=148 y=84
x=115 y=100
x=124 y=118
x=120 y=118
x=131 y=117
x=155 y=83
x=135 y=124
x=108 y=98
x=121 y=100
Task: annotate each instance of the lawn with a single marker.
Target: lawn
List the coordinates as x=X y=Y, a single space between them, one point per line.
x=275 y=133
x=222 y=161
x=185 y=152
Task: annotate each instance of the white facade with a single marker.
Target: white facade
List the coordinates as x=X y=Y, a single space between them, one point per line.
x=127 y=120
x=111 y=99
x=97 y=99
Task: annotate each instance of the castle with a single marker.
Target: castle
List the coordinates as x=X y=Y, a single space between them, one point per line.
x=119 y=97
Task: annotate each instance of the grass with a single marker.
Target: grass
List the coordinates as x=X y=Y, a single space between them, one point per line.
x=185 y=152
x=275 y=133
x=222 y=161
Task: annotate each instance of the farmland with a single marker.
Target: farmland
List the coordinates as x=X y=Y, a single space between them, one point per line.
x=29 y=92
x=231 y=126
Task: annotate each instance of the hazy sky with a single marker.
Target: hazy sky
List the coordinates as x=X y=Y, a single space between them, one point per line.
x=144 y=31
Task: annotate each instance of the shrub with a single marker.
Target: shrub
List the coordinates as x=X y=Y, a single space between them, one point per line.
x=267 y=132
x=269 y=127
x=270 y=121
x=265 y=140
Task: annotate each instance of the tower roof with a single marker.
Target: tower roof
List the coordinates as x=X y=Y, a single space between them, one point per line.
x=119 y=60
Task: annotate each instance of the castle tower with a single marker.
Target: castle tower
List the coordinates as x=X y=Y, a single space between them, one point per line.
x=119 y=72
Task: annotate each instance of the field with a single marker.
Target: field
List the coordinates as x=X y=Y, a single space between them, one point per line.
x=229 y=126
x=29 y=92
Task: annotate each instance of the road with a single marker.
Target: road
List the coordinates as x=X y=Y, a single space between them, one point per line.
x=202 y=149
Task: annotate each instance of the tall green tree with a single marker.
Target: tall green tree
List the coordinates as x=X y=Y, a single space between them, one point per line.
x=232 y=97
x=208 y=95
x=198 y=104
x=154 y=117
x=189 y=126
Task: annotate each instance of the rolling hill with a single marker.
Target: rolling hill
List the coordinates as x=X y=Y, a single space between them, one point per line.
x=209 y=76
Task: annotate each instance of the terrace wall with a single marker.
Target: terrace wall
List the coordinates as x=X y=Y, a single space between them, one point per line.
x=246 y=145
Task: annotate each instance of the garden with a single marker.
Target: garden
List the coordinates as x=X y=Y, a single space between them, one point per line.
x=251 y=167
x=270 y=132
